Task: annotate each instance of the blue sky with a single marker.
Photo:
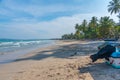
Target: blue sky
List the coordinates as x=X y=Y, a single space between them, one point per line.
x=36 y=19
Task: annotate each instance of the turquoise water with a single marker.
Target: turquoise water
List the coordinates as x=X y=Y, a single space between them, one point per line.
x=11 y=49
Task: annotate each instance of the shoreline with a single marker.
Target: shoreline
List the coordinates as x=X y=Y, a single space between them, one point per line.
x=11 y=56
x=61 y=61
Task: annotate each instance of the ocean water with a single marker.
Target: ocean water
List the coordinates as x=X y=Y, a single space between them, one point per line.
x=11 y=49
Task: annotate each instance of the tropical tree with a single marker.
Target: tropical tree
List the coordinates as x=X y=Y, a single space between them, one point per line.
x=84 y=25
x=68 y=36
x=95 y=29
x=93 y=26
x=117 y=31
x=105 y=25
x=77 y=33
x=77 y=27
x=114 y=6
x=83 y=28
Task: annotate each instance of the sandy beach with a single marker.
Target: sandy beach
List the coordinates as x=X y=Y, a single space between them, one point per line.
x=65 y=60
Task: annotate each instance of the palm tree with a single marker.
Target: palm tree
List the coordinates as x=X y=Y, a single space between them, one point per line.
x=105 y=26
x=93 y=26
x=77 y=26
x=93 y=22
x=77 y=33
x=114 y=6
x=117 y=31
x=84 y=25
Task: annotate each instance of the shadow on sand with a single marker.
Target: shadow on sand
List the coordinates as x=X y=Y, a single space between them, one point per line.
x=100 y=71
x=63 y=52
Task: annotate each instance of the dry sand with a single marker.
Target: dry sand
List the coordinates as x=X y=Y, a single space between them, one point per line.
x=66 y=60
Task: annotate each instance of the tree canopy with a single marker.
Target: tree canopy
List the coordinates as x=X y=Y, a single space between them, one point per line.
x=98 y=28
x=95 y=29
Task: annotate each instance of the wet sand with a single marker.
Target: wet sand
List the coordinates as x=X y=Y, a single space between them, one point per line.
x=65 y=60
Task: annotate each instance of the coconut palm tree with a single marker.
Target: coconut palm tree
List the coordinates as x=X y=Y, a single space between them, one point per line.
x=84 y=25
x=114 y=6
x=93 y=26
x=105 y=26
x=77 y=26
x=93 y=22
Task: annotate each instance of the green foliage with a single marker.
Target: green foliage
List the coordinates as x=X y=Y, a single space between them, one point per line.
x=95 y=29
x=114 y=6
x=117 y=31
x=106 y=27
x=68 y=36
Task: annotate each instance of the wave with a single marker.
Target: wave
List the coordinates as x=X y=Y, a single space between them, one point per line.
x=19 y=43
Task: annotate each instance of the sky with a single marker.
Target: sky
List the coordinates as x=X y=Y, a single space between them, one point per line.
x=43 y=19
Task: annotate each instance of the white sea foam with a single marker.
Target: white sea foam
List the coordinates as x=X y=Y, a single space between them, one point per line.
x=19 y=43
x=12 y=49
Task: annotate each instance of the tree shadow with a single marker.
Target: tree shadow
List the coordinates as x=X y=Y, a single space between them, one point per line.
x=67 y=51
x=100 y=71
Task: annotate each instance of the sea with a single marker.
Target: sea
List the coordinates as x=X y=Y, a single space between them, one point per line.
x=12 y=49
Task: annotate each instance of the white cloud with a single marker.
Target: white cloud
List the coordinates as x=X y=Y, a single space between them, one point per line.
x=38 y=10
x=22 y=25
x=47 y=29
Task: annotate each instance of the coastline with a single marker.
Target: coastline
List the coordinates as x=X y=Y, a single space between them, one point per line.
x=65 y=60
x=10 y=56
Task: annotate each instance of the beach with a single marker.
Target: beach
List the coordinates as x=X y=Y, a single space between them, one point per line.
x=64 y=60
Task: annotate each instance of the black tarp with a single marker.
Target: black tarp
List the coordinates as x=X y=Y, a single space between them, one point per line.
x=104 y=52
